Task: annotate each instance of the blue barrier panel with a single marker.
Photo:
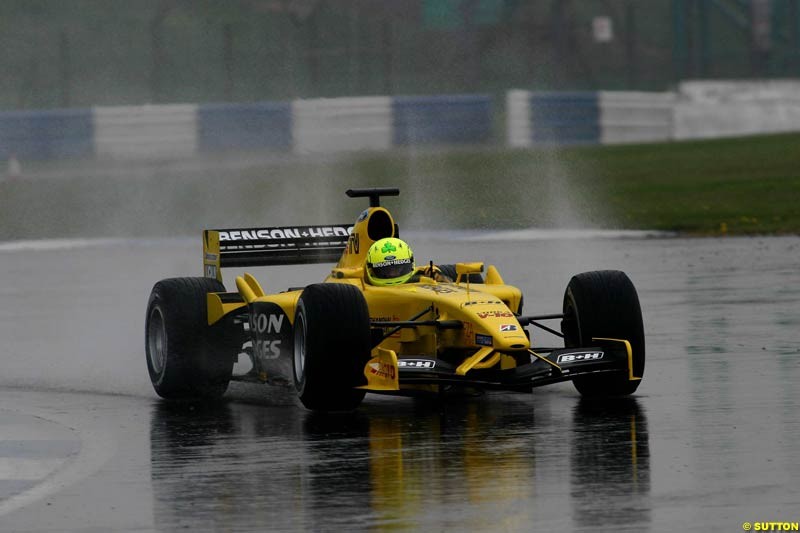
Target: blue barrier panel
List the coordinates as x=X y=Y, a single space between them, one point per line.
x=441 y=119
x=244 y=126
x=49 y=134
x=565 y=118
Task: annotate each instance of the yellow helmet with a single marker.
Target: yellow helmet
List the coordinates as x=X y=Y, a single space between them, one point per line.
x=390 y=261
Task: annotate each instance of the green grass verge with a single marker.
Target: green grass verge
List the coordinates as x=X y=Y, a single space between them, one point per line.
x=725 y=186
x=739 y=186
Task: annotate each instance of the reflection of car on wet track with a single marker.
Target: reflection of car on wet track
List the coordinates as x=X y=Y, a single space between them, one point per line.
x=450 y=325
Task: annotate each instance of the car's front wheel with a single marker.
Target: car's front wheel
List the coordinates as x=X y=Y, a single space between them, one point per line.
x=604 y=304
x=332 y=344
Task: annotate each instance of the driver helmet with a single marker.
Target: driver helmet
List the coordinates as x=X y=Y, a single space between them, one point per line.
x=390 y=261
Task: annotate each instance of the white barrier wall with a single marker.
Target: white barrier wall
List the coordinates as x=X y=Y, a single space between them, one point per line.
x=700 y=109
x=563 y=117
x=631 y=117
x=719 y=109
x=151 y=131
x=328 y=125
x=518 y=122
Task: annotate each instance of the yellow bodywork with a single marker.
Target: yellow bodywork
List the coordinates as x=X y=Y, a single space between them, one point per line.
x=486 y=311
x=628 y=351
x=382 y=372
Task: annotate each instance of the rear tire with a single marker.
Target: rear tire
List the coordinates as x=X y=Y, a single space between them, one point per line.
x=187 y=358
x=604 y=304
x=332 y=344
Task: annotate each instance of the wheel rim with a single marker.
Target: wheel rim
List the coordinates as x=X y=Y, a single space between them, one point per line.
x=299 y=348
x=157 y=341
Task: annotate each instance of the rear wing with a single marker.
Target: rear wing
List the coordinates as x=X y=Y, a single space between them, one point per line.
x=289 y=245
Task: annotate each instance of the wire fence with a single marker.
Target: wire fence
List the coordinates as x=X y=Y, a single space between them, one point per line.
x=116 y=52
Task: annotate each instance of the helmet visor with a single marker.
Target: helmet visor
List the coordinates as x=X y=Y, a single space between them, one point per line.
x=392 y=269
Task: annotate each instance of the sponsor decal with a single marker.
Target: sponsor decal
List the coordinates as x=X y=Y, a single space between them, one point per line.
x=353 y=245
x=269 y=323
x=390 y=263
x=488 y=302
x=211 y=257
x=266 y=327
x=483 y=340
x=382 y=370
x=441 y=289
x=579 y=356
x=211 y=271
x=267 y=349
x=508 y=327
x=284 y=233
x=393 y=318
x=495 y=314
x=363 y=216
x=416 y=363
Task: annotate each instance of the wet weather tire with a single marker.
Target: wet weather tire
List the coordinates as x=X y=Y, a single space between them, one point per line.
x=187 y=358
x=604 y=304
x=332 y=344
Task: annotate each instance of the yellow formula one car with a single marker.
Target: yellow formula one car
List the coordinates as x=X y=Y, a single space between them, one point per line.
x=448 y=326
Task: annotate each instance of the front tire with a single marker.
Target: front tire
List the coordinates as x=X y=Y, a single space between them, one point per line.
x=187 y=358
x=604 y=304
x=332 y=344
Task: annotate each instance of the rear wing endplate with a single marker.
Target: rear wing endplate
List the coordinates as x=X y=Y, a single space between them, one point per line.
x=288 y=245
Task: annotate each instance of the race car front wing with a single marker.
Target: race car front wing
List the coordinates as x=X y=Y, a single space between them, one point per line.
x=547 y=366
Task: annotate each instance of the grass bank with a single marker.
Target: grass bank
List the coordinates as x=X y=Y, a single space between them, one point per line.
x=729 y=186
x=737 y=186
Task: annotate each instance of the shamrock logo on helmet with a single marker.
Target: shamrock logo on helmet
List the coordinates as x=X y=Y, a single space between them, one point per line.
x=389 y=261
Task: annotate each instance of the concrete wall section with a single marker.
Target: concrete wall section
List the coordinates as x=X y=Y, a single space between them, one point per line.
x=46 y=134
x=244 y=126
x=565 y=118
x=697 y=110
x=518 y=119
x=447 y=119
x=718 y=109
x=738 y=90
x=709 y=120
x=341 y=124
x=633 y=117
x=155 y=131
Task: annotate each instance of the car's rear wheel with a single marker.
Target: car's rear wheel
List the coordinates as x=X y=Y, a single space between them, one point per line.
x=187 y=358
x=332 y=344
x=604 y=304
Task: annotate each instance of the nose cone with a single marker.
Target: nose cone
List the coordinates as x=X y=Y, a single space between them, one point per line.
x=510 y=336
x=500 y=323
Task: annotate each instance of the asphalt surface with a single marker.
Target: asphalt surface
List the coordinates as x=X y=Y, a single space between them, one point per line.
x=709 y=441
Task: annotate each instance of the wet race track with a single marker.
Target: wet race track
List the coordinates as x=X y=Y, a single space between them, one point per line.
x=708 y=442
